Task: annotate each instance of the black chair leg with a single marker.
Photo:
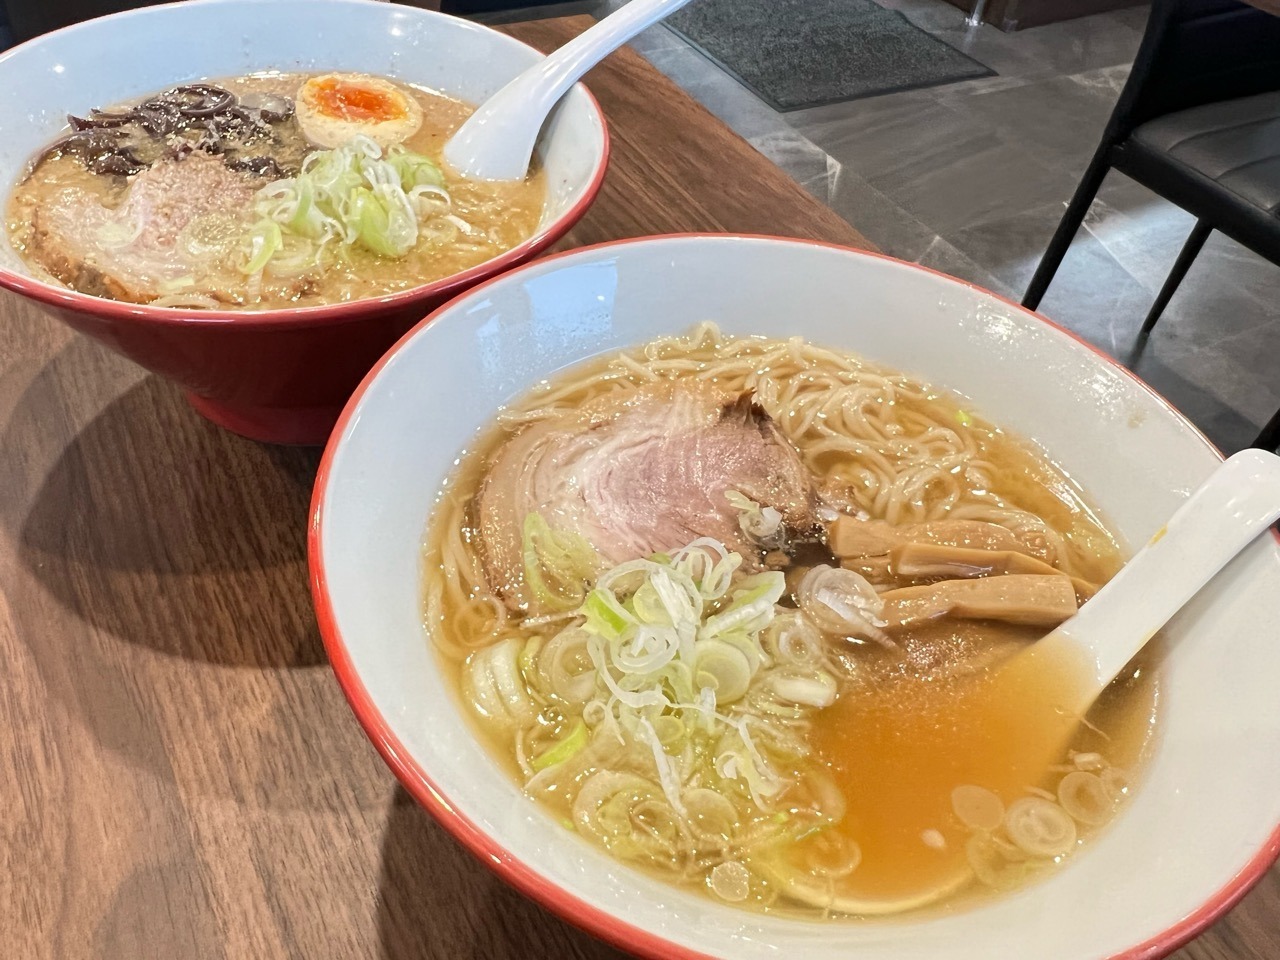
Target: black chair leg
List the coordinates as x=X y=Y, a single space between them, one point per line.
x=1067 y=228
x=1269 y=438
x=1186 y=256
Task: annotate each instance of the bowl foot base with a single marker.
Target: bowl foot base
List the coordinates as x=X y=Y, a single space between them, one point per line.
x=303 y=426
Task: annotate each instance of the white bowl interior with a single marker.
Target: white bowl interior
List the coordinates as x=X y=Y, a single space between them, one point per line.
x=1211 y=795
x=116 y=58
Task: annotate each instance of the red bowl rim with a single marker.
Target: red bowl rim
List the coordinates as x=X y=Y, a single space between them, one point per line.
x=526 y=879
x=117 y=311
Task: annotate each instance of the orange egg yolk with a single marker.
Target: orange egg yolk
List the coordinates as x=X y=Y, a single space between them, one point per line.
x=350 y=101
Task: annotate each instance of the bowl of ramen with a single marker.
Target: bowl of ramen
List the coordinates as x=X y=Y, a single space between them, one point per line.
x=257 y=209
x=685 y=620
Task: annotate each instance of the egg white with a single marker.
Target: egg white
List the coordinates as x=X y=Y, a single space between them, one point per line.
x=326 y=130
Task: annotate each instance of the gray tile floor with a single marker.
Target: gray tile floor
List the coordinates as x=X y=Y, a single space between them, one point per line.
x=971 y=178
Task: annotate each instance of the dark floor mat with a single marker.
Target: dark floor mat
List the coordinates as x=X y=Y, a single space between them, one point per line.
x=803 y=53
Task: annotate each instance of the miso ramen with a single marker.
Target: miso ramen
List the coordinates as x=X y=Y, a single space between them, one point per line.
x=262 y=191
x=732 y=609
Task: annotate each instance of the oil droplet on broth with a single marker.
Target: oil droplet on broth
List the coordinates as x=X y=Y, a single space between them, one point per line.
x=898 y=746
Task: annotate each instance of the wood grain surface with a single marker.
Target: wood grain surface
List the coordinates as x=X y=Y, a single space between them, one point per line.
x=180 y=777
x=1271 y=6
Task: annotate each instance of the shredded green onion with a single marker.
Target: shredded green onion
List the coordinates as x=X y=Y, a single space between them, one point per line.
x=415 y=170
x=527 y=659
x=605 y=616
x=557 y=566
x=566 y=748
x=355 y=195
x=264 y=240
x=763 y=524
x=670 y=649
x=726 y=669
x=493 y=684
x=664 y=707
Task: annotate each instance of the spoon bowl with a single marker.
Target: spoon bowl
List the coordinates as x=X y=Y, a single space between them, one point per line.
x=1228 y=512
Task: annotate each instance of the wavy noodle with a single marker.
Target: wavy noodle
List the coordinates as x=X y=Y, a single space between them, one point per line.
x=459 y=593
x=878 y=442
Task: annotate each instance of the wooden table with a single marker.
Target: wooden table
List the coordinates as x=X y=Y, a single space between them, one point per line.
x=180 y=777
x=1271 y=6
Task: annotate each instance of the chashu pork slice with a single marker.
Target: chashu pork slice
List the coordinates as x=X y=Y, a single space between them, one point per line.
x=134 y=252
x=637 y=474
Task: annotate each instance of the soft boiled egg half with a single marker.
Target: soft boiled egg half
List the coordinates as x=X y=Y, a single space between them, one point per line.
x=334 y=107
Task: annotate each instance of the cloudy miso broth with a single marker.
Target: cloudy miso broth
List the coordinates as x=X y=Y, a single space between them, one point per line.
x=263 y=203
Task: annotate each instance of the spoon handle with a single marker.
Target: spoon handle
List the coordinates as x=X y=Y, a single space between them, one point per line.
x=1237 y=503
x=496 y=142
x=565 y=66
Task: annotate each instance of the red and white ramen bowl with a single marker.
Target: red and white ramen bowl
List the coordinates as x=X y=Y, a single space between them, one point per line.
x=278 y=375
x=1202 y=826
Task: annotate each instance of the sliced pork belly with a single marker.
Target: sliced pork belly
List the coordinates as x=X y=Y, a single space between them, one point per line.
x=133 y=252
x=639 y=473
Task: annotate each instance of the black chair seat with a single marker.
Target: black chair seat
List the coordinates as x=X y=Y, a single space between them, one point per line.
x=1198 y=122
x=1236 y=144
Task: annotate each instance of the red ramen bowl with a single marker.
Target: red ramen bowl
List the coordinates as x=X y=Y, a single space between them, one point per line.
x=278 y=375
